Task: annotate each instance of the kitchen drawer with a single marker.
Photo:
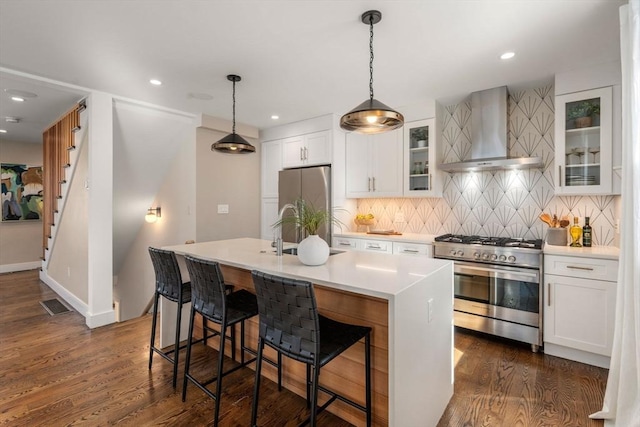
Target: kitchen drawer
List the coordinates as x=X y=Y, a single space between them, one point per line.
x=587 y=268
x=412 y=249
x=345 y=243
x=385 y=246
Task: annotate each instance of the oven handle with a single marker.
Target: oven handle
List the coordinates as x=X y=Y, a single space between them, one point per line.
x=491 y=272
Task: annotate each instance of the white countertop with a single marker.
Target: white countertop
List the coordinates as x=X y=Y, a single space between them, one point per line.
x=375 y=274
x=404 y=237
x=601 y=252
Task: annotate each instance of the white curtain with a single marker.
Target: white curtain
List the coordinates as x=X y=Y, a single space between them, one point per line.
x=621 y=407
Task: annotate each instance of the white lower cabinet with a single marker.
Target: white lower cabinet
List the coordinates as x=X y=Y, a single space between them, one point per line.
x=412 y=248
x=579 y=308
x=344 y=243
x=382 y=245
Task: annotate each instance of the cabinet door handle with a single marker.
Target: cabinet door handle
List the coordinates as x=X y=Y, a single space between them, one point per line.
x=575 y=267
x=369 y=185
x=548 y=294
x=559 y=175
x=429 y=183
x=306 y=153
x=374 y=183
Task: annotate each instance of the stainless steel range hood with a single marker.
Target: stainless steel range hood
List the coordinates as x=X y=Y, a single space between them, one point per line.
x=489 y=119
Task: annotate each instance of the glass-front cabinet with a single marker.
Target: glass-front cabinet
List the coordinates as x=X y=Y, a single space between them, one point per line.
x=583 y=154
x=421 y=177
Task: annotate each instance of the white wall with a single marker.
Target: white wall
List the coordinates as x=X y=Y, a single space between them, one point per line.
x=134 y=286
x=226 y=179
x=20 y=241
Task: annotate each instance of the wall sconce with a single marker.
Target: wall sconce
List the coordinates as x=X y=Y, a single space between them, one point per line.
x=152 y=215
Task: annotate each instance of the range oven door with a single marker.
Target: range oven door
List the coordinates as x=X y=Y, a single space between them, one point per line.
x=505 y=293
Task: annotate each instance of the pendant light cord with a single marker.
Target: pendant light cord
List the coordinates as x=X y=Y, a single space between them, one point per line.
x=234 y=108
x=371 y=57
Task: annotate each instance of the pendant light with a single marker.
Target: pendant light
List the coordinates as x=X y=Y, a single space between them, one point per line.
x=372 y=116
x=233 y=143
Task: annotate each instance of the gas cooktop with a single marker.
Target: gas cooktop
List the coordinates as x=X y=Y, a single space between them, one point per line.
x=507 y=242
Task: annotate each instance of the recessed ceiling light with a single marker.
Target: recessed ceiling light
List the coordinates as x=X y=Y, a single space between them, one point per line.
x=155 y=82
x=507 y=55
x=3 y=131
x=17 y=99
x=275 y=117
x=21 y=93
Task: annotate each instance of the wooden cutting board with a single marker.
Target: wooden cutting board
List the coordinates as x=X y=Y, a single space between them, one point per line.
x=385 y=232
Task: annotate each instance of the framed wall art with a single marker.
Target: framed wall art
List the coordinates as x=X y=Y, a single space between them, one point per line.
x=21 y=192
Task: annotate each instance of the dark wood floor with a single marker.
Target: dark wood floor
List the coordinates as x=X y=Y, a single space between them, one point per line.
x=54 y=371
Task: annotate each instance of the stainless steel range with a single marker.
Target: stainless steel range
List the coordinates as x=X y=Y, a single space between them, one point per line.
x=497 y=286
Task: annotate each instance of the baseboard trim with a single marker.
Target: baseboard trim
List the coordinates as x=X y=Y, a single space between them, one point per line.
x=22 y=266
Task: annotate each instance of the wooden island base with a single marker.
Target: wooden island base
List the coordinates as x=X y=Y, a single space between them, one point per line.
x=408 y=303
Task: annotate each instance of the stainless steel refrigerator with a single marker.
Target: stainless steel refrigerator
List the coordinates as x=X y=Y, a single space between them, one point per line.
x=313 y=185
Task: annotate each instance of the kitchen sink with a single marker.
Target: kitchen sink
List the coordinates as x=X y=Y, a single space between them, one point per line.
x=294 y=251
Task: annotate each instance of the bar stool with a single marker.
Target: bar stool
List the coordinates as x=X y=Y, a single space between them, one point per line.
x=291 y=325
x=170 y=286
x=227 y=310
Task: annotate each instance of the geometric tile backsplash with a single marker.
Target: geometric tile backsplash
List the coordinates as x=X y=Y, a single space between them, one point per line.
x=504 y=203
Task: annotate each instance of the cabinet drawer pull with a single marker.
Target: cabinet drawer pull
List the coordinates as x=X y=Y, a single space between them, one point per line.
x=410 y=251
x=559 y=176
x=575 y=267
x=373 y=246
x=548 y=294
x=344 y=244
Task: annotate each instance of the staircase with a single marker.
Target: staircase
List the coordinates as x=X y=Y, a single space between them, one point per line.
x=62 y=144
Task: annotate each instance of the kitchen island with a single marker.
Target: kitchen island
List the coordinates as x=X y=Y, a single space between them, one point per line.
x=408 y=302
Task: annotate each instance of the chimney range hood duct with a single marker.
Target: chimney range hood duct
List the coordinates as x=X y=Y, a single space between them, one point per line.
x=489 y=117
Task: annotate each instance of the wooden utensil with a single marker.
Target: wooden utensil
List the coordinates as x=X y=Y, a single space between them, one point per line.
x=564 y=223
x=544 y=217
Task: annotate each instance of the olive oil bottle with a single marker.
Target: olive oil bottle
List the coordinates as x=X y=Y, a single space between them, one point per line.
x=576 y=232
x=586 y=233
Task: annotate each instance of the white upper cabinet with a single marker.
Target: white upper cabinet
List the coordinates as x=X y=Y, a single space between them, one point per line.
x=271 y=165
x=374 y=165
x=583 y=153
x=307 y=150
x=421 y=175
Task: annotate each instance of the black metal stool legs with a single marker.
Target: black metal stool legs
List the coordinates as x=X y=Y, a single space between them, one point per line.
x=367 y=375
x=256 y=385
x=153 y=327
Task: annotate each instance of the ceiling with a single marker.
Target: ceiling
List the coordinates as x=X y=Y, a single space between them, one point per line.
x=298 y=59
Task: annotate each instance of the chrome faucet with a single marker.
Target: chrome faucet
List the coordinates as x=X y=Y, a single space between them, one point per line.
x=279 y=238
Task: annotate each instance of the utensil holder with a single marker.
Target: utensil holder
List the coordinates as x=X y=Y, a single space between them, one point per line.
x=557 y=236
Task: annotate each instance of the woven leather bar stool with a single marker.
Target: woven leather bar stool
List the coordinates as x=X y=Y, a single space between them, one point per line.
x=227 y=310
x=290 y=324
x=170 y=286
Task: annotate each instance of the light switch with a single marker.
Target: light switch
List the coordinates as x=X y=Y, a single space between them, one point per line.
x=223 y=209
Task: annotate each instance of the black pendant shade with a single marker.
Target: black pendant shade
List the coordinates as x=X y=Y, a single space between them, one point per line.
x=233 y=143
x=372 y=116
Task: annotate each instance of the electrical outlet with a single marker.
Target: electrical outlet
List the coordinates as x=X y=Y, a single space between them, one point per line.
x=223 y=209
x=617 y=226
x=399 y=217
